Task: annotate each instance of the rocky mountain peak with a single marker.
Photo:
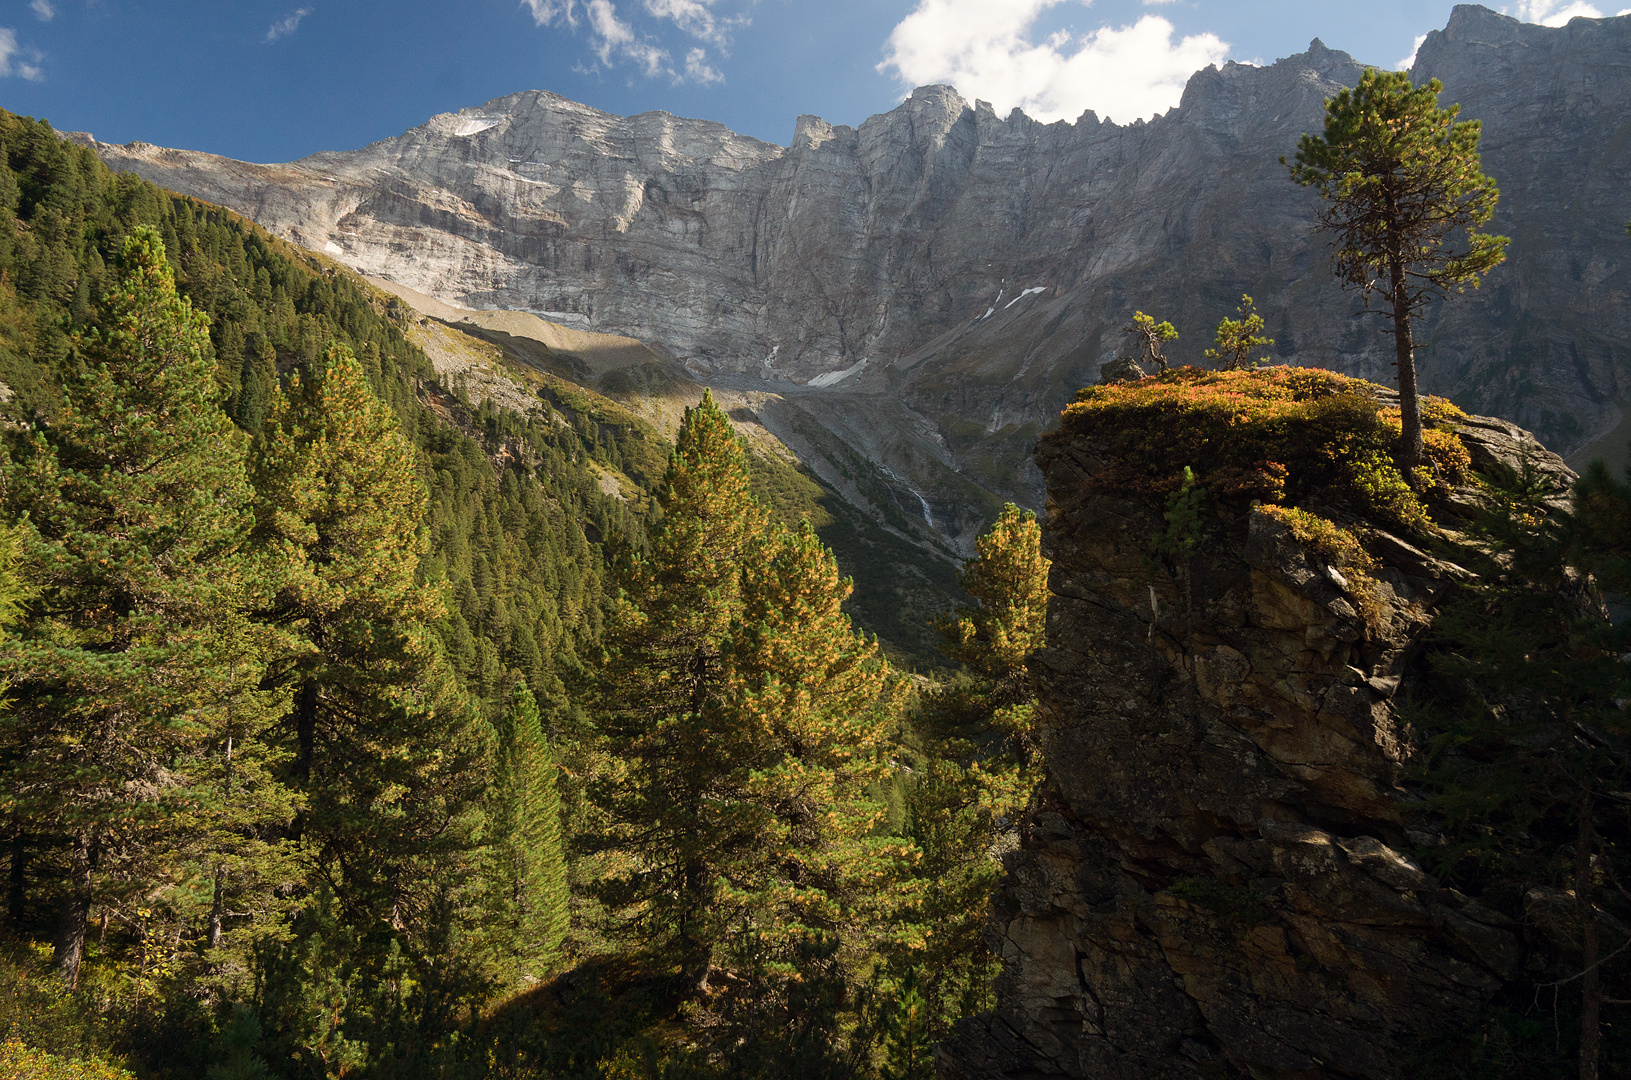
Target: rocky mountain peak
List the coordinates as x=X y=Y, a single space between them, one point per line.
x=953 y=277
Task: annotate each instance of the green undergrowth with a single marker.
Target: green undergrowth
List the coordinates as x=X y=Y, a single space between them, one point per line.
x=1282 y=435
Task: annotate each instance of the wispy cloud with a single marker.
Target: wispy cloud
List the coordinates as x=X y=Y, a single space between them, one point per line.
x=615 y=40
x=618 y=41
x=984 y=48
x=545 y=12
x=43 y=10
x=698 y=70
x=19 y=60
x=286 y=25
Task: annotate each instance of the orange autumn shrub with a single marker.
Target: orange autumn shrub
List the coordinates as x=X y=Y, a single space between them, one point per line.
x=1280 y=434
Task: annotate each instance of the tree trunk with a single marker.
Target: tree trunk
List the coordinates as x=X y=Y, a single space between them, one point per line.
x=305 y=725
x=76 y=912
x=217 y=906
x=1590 y=994
x=218 y=900
x=1405 y=346
x=696 y=956
x=16 y=888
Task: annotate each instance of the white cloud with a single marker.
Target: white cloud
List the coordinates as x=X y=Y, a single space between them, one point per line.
x=616 y=40
x=545 y=12
x=43 y=10
x=698 y=70
x=1553 y=12
x=692 y=16
x=984 y=48
x=286 y=25
x=1410 y=61
x=17 y=59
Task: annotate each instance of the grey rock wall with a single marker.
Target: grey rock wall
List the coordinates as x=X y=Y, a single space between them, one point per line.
x=943 y=268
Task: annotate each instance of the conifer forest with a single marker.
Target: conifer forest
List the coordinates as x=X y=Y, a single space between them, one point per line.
x=333 y=728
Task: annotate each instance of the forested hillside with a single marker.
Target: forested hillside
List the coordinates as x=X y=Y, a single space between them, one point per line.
x=341 y=711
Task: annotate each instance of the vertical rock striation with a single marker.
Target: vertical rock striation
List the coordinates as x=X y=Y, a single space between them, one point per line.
x=944 y=268
x=1209 y=883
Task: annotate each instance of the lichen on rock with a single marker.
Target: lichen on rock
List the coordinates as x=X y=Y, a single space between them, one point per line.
x=1213 y=880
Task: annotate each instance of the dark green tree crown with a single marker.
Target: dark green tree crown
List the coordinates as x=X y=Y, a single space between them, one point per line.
x=1399 y=175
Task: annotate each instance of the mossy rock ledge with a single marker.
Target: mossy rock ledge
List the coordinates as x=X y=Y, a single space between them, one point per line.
x=1210 y=883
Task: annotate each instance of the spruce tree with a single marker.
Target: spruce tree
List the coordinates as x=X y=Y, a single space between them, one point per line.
x=528 y=865
x=134 y=669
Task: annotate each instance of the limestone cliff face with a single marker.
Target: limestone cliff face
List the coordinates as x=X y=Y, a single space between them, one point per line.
x=1209 y=883
x=938 y=281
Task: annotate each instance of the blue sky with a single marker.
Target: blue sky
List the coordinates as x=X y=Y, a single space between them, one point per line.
x=274 y=80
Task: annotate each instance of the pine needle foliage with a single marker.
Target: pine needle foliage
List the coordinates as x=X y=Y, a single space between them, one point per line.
x=530 y=907
x=385 y=748
x=1399 y=176
x=908 y=1040
x=967 y=795
x=137 y=711
x=1236 y=339
x=747 y=719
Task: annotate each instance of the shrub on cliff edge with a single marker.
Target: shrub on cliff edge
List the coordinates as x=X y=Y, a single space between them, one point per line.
x=1280 y=434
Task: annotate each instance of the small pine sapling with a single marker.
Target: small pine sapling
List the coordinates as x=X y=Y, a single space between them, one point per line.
x=1238 y=338
x=1150 y=336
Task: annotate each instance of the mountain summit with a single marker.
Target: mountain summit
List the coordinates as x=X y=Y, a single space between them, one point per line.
x=932 y=286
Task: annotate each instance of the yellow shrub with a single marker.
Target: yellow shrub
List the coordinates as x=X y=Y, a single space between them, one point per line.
x=19 y=1062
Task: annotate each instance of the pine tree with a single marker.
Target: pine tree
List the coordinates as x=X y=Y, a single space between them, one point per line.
x=383 y=746
x=977 y=730
x=1399 y=177
x=807 y=714
x=670 y=798
x=134 y=668
x=748 y=718
x=1009 y=579
x=1237 y=339
x=528 y=873
x=908 y=1038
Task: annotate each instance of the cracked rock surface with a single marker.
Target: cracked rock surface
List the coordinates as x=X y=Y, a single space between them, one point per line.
x=1210 y=882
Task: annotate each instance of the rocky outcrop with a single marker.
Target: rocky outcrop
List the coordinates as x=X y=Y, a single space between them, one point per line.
x=940 y=280
x=1210 y=882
